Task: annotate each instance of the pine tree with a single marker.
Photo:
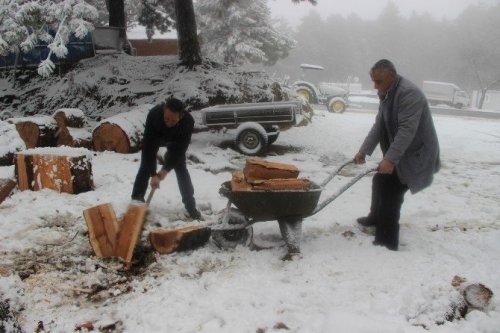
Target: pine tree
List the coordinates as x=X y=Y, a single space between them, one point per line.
x=24 y=24
x=239 y=31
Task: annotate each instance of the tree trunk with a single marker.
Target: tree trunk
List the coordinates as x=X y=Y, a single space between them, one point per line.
x=189 y=48
x=36 y=131
x=481 y=100
x=117 y=19
x=122 y=133
x=60 y=170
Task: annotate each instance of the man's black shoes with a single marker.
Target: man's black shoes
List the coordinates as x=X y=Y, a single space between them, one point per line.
x=366 y=221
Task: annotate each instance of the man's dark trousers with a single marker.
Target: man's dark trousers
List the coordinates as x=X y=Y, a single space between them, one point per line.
x=387 y=198
x=183 y=180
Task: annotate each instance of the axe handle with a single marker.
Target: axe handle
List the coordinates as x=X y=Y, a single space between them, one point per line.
x=150 y=196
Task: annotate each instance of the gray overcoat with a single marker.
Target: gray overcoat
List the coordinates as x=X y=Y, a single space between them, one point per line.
x=405 y=130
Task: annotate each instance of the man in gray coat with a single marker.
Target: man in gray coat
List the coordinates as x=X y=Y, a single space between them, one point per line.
x=405 y=131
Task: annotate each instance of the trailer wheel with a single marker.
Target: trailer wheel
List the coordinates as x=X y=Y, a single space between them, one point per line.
x=336 y=105
x=229 y=239
x=251 y=139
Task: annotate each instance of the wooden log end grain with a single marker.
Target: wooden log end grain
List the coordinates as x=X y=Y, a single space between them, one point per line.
x=111 y=137
x=70 y=117
x=6 y=187
x=167 y=241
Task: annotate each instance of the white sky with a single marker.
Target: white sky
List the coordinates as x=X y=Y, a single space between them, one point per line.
x=368 y=9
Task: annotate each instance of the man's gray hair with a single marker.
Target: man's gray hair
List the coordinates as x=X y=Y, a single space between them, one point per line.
x=384 y=65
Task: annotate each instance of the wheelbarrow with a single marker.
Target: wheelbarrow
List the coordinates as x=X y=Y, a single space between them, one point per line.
x=288 y=207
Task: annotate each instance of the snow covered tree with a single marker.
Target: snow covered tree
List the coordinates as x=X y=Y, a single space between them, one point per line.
x=156 y=14
x=24 y=24
x=239 y=32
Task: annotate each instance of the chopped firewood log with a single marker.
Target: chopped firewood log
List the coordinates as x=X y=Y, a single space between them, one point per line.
x=122 y=133
x=66 y=170
x=111 y=237
x=68 y=117
x=6 y=187
x=180 y=239
x=36 y=131
x=260 y=169
x=238 y=182
x=74 y=137
x=282 y=184
x=10 y=142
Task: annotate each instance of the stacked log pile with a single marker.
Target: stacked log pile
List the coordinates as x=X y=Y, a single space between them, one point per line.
x=270 y=176
x=122 y=133
x=71 y=131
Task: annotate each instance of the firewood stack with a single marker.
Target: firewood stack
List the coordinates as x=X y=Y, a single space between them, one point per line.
x=268 y=176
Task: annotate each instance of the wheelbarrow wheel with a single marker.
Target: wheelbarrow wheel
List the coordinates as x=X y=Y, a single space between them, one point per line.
x=229 y=239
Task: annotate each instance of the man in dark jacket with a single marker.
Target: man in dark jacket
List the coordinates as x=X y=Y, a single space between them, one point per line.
x=406 y=134
x=167 y=124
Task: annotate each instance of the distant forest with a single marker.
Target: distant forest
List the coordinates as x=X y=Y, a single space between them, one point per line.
x=465 y=51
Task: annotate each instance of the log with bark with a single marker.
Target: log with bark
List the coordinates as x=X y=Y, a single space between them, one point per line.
x=6 y=187
x=110 y=237
x=68 y=117
x=66 y=170
x=180 y=239
x=122 y=133
x=10 y=142
x=74 y=137
x=36 y=131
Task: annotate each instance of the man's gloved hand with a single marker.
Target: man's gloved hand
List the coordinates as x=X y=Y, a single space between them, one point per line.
x=359 y=158
x=386 y=167
x=156 y=179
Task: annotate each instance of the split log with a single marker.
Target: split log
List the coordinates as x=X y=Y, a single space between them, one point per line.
x=122 y=133
x=68 y=117
x=282 y=184
x=6 y=187
x=180 y=239
x=238 y=182
x=74 y=137
x=10 y=143
x=36 y=131
x=66 y=170
x=110 y=237
x=261 y=169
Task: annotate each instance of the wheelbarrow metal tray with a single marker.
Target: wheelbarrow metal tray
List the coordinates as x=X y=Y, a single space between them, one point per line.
x=262 y=205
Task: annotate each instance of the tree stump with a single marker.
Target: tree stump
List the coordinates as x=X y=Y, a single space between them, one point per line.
x=66 y=170
x=10 y=142
x=36 y=131
x=110 y=237
x=122 y=133
x=6 y=187
x=68 y=117
x=180 y=239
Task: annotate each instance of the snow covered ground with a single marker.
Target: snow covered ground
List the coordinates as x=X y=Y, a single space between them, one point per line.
x=342 y=284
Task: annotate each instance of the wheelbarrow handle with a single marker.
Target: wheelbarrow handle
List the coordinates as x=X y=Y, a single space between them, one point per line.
x=336 y=172
x=334 y=196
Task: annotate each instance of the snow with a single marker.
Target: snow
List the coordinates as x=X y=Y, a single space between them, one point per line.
x=342 y=283
x=59 y=151
x=10 y=141
x=71 y=112
x=43 y=121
